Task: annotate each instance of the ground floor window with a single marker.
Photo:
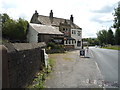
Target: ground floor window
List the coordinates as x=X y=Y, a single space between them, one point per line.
x=78 y=43
x=69 y=42
x=75 y=41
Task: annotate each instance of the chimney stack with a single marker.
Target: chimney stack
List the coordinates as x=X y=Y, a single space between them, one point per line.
x=51 y=14
x=71 y=18
x=36 y=13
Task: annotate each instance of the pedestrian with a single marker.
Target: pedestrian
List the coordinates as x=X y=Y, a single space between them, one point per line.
x=87 y=48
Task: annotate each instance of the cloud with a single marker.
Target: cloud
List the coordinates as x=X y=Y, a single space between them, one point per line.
x=105 y=9
x=101 y=19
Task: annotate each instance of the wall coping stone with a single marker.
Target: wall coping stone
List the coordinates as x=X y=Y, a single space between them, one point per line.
x=24 y=46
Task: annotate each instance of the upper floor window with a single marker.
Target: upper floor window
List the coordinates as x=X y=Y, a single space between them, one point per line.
x=72 y=31
x=79 y=33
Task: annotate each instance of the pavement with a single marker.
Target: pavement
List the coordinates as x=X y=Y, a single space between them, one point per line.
x=73 y=71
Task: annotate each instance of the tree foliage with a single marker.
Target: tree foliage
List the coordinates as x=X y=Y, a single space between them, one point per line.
x=117 y=17
x=14 y=29
x=91 y=41
x=110 y=37
x=116 y=24
x=102 y=36
x=5 y=17
x=117 y=37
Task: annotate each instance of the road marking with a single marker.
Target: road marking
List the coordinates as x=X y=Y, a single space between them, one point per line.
x=101 y=76
x=91 y=53
x=98 y=69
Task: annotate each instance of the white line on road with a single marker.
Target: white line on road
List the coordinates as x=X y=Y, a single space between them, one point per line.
x=98 y=68
x=91 y=53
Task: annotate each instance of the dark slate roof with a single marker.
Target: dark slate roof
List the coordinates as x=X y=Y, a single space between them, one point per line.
x=55 y=21
x=45 y=29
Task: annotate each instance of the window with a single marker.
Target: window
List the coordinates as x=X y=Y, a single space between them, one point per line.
x=72 y=41
x=75 y=41
x=66 y=41
x=79 y=33
x=69 y=41
x=72 y=31
x=78 y=43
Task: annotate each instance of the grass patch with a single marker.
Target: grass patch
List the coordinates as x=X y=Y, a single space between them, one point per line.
x=113 y=47
x=69 y=59
x=51 y=63
x=39 y=79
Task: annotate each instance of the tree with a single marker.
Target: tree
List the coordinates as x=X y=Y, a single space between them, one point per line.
x=96 y=41
x=91 y=41
x=110 y=37
x=117 y=17
x=116 y=24
x=117 y=37
x=5 y=17
x=102 y=37
x=14 y=29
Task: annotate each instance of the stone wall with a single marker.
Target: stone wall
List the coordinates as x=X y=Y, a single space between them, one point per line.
x=24 y=60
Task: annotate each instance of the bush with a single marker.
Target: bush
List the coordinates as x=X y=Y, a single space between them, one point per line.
x=55 y=46
x=14 y=29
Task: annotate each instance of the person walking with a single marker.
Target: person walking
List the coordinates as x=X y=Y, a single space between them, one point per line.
x=87 y=52
x=87 y=49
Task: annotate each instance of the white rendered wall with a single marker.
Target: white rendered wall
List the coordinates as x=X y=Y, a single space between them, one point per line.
x=76 y=37
x=32 y=36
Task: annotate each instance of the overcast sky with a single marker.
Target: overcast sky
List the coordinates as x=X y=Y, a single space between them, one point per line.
x=90 y=15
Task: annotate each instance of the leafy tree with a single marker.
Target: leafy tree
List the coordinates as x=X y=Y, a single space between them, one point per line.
x=117 y=37
x=5 y=17
x=14 y=29
x=110 y=37
x=91 y=41
x=21 y=28
x=116 y=24
x=117 y=17
x=8 y=28
x=96 y=41
x=102 y=37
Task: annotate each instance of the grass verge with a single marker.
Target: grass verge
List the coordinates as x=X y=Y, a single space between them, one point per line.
x=113 y=47
x=39 y=79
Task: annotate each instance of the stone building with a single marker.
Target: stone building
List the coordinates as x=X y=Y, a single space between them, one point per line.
x=72 y=34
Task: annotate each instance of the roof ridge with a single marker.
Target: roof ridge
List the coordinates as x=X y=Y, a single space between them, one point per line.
x=55 y=17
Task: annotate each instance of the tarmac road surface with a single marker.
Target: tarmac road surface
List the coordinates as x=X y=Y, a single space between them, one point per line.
x=107 y=61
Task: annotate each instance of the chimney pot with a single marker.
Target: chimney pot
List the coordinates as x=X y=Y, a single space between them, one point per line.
x=71 y=18
x=51 y=14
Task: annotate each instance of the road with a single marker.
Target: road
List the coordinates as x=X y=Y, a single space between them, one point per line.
x=107 y=61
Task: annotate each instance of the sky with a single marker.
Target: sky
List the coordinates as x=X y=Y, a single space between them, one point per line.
x=90 y=15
